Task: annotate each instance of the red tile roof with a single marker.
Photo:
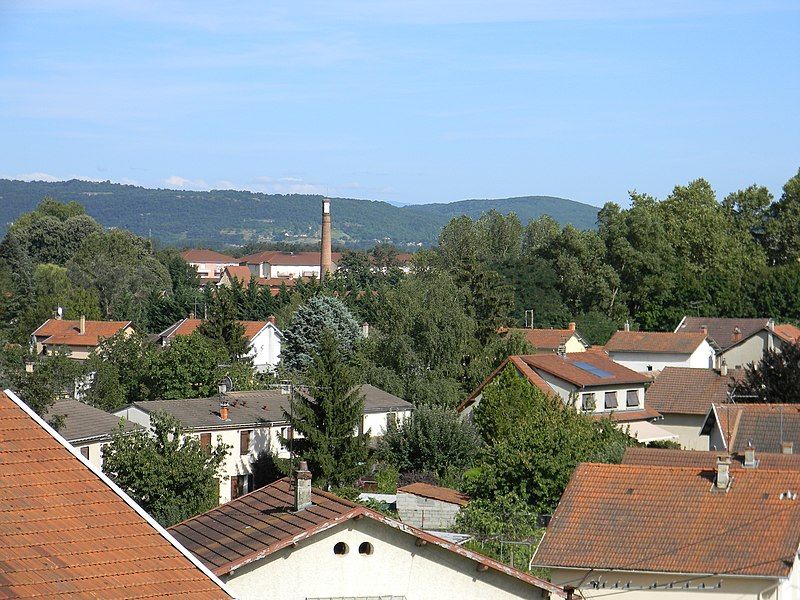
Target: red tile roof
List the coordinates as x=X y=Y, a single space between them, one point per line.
x=68 y=532
x=523 y=369
x=434 y=492
x=201 y=255
x=240 y=272
x=686 y=391
x=668 y=457
x=685 y=342
x=668 y=519
x=584 y=369
x=262 y=522
x=721 y=329
x=762 y=425
x=547 y=339
x=189 y=326
x=788 y=333
x=294 y=259
x=60 y=332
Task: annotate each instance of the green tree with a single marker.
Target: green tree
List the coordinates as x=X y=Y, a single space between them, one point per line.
x=169 y=474
x=434 y=439
x=222 y=326
x=54 y=376
x=327 y=416
x=776 y=379
x=123 y=367
x=783 y=227
x=303 y=336
x=188 y=368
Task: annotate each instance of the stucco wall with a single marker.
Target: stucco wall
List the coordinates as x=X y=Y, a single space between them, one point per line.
x=687 y=428
x=749 y=351
x=426 y=513
x=732 y=588
x=396 y=567
x=701 y=358
x=265 y=349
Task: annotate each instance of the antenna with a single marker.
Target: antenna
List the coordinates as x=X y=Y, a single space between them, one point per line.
x=529 y=319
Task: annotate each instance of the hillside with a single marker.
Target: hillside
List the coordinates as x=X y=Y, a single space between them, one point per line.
x=222 y=217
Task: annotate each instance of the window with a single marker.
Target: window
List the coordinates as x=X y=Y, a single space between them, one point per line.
x=244 y=442
x=611 y=400
x=587 y=402
x=391 y=420
x=365 y=548
x=649 y=367
x=632 y=398
x=340 y=549
x=205 y=441
x=85 y=452
x=240 y=485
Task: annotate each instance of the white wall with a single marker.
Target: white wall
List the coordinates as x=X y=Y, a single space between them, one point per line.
x=702 y=358
x=265 y=349
x=376 y=422
x=732 y=588
x=426 y=513
x=687 y=428
x=397 y=567
x=95 y=452
x=564 y=390
x=750 y=351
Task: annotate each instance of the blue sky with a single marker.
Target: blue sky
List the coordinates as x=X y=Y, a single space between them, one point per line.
x=408 y=101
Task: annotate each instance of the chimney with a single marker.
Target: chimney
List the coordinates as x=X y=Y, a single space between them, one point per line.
x=223 y=409
x=271 y=319
x=302 y=487
x=365 y=330
x=750 y=457
x=723 y=478
x=82 y=329
x=59 y=313
x=325 y=261
x=571 y=326
x=737 y=334
x=723 y=369
x=191 y=315
x=787 y=447
x=704 y=329
x=627 y=325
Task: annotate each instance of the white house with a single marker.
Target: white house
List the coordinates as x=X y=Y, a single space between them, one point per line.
x=85 y=427
x=590 y=382
x=648 y=351
x=209 y=264
x=264 y=336
x=660 y=532
x=252 y=423
x=273 y=264
x=79 y=337
x=291 y=541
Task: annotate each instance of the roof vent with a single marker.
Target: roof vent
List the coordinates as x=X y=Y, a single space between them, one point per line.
x=788 y=495
x=750 y=460
x=722 y=481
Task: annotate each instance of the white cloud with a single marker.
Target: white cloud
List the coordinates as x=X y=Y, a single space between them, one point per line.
x=182 y=182
x=38 y=176
x=286 y=185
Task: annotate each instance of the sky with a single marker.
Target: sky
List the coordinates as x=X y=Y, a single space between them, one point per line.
x=408 y=101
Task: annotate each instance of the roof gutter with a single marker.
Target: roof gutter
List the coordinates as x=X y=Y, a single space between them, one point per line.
x=601 y=570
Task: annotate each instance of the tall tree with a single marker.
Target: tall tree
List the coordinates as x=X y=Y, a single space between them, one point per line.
x=168 y=473
x=123 y=367
x=776 y=379
x=783 y=227
x=223 y=328
x=189 y=368
x=328 y=415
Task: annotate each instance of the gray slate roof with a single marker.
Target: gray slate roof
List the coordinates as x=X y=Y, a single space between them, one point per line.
x=256 y=408
x=84 y=423
x=720 y=329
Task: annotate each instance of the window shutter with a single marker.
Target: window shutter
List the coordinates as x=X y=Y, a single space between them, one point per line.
x=235 y=492
x=632 y=398
x=244 y=442
x=611 y=399
x=205 y=440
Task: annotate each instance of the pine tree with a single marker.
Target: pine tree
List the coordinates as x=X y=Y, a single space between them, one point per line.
x=327 y=415
x=223 y=328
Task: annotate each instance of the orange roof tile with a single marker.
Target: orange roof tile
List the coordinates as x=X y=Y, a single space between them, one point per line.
x=521 y=367
x=669 y=457
x=688 y=391
x=547 y=339
x=68 y=532
x=584 y=369
x=762 y=425
x=60 y=332
x=788 y=332
x=189 y=326
x=668 y=519
x=684 y=342
x=435 y=492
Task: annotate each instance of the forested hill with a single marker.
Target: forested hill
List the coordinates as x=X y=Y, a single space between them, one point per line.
x=234 y=217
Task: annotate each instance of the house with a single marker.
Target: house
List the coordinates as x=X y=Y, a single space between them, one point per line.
x=78 y=337
x=291 y=541
x=684 y=395
x=590 y=382
x=684 y=532
x=264 y=337
x=243 y=276
x=765 y=427
x=252 y=423
x=272 y=264
x=209 y=264
x=70 y=532
x=85 y=427
x=741 y=341
x=429 y=506
x=550 y=340
x=668 y=457
x=648 y=351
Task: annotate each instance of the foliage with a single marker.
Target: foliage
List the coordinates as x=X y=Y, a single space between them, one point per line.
x=327 y=417
x=54 y=376
x=123 y=367
x=189 y=368
x=776 y=379
x=302 y=339
x=168 y=473
x=223 y=328
x=268 y=467
x=431 y=439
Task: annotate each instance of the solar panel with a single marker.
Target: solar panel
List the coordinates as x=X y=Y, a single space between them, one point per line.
x=589 y=368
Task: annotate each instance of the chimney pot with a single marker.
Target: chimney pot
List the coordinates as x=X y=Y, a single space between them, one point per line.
x=704 y=329
x=82 y=329
x=572 y=325
x=302 y=487
x=723 y=478
x=723 y=369
x=787 y=447
x=223 y=410
x=737 y=334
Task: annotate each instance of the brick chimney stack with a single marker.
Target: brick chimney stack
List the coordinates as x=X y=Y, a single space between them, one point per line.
x=325 y=261
x=302 y=487
x=571 y=326
x=737 y=335
x=223 y=409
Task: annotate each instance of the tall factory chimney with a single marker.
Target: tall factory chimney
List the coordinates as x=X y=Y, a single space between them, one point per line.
x=325 y=262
